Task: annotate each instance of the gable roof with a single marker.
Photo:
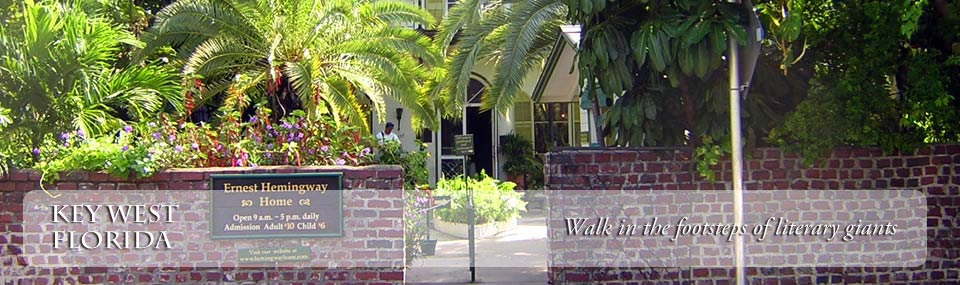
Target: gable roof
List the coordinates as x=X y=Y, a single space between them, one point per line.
x=559 y=80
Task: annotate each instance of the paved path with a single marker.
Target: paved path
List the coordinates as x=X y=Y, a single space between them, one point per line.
x=518 y=256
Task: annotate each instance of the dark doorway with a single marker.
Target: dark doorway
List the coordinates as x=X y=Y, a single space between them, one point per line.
x=480 y=124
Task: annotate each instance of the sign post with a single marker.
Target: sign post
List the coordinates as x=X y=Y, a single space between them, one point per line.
x=464 y=146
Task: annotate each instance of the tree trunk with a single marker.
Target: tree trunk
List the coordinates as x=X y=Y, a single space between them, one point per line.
x=689 y=112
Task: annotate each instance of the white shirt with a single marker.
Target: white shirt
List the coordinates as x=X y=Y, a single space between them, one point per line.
x=381 y=137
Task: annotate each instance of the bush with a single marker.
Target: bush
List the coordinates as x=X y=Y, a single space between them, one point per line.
x=142 y=150
x=414 y=163
x=494 y=201
x=416 y=202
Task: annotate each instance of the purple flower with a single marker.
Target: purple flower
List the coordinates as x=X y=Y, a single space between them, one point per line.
x=267 y=154
x=290 y=137
x=253 y=119
x=36 y=151
x=365 y=150
x=340 y=161
x=156 y=136
x=269 y=146
x=219 y=147
x=287 y=125
x=64 y=136
x=345 y=154
x=80 y=133
x=243 y=156
x=125 y=148
x=66 y=144
x=127 y=129
x=171 y=137
x=194 y=146
x=324 y=148
x=178 y=148
x=299 y=135
x=269 y=127
x=310 y=151
x=151 y=124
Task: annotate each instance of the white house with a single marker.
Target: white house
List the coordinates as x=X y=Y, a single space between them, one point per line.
x=547 y=112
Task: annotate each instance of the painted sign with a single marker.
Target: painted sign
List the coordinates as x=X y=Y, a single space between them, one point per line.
x=464 y=144
x=276 y=205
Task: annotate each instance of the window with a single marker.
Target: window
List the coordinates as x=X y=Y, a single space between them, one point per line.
x=556 y=125
x=523 y=117
x=436 y=8
x=551 y=126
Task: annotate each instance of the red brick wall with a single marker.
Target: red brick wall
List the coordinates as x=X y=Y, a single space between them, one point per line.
x=365 y=219
x=934 y=170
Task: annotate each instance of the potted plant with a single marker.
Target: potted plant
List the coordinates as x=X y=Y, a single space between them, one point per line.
x=521 y=163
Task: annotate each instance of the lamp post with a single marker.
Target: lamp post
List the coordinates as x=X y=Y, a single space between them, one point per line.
x=399 y=117
x=751 y=54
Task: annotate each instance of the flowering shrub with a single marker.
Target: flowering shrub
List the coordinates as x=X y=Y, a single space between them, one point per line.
x=416 y=202
x=117 y=155
x=294 y=140
x=145 y=149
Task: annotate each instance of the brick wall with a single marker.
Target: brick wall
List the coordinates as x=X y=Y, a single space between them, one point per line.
x=933 y=170
x=372 y=212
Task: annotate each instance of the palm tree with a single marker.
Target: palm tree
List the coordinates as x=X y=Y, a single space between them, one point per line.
x=514 y=36
x=328 y=57
x=57 y=73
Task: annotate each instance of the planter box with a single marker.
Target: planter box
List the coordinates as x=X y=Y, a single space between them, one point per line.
x=481 y=231
x=428 y=247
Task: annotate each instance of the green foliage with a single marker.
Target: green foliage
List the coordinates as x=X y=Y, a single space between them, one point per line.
x=514 y=40
x=119 y=156
x=142 y=150
x=4 y=122
x=326 y=57
x=59 y=73
x=521 y=159
x=656 y=70
x=889 y=89
x=494 y=201
x=709 y=154
x=414 y=163
x=784 y=22
x=416 y=202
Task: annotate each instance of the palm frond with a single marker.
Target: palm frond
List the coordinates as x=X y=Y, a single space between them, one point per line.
x=465 y=13
x=465 y=57
x=394 y=13
x=528 y=21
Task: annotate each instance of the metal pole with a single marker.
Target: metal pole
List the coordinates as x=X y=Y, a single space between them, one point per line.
x=737 y=157
x=471 y=220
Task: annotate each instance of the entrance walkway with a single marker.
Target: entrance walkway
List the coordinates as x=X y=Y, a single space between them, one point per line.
x=518 y=256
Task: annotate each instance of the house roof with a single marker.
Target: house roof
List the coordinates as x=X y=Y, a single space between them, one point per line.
x=559 y=81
